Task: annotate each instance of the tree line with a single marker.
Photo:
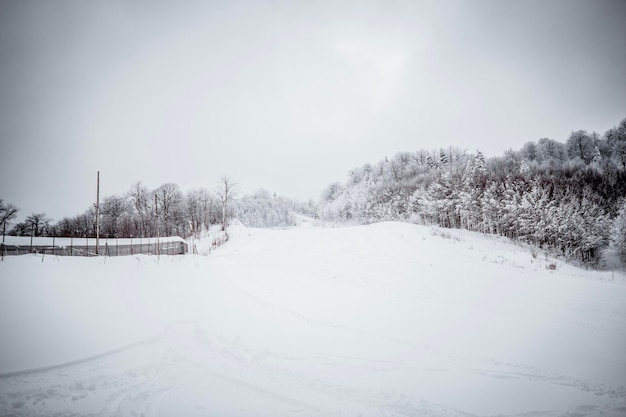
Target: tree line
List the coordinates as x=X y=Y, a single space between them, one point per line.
x=165 y=211
x=140 y=212
x=568 y=198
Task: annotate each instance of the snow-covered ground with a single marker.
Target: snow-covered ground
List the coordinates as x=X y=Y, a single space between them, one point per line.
x=388 y=319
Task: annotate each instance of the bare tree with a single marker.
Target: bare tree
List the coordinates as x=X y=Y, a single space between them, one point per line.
x=192 y=209
x=227 y=191
x=201 y=210
x=7 y=212
x=37 y=224
x=580 y=146
x=616 y=140
x=86 y=223
x=139 y=197
x=169 y=200
x=113 y=208
x=210 y=208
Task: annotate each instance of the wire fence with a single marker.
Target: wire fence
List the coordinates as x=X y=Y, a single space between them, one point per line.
x=173 y=245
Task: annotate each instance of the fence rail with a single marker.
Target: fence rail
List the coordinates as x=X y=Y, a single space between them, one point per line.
x=18 y=245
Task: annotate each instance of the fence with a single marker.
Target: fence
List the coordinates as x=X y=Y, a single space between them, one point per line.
x=21 y=245
x=208 y=244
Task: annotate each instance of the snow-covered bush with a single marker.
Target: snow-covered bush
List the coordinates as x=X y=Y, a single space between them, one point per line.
x=265 y=210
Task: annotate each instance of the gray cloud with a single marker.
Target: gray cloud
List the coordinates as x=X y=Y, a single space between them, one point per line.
x=286 y=96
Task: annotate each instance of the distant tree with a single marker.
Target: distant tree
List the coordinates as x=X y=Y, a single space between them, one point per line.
x=169 y=208
x=140 y=200
x=444 y=160
x=597 y=155
x=408 y=165
x=480 y=165
x=35 y=224
x=524 y=169
x=618 y=233
x=616 y=141
x=210 y=208
x=65 y=227
x=550 y=150
x=430 y=162
x=332 y=192
x=580 y=146
x=87 y=223
x=389 y=171
x=441 y=202
x=20 y=229
x=112 y=209
x=227 y=191
x=83 y=225
x=201 y=209
x=193 y=208
x=265 y=210
x=602 y=145
x=529 y=151
x=7 y=212
x=492 y=207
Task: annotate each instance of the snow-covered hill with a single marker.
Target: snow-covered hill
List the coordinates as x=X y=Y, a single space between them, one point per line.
x=389 y=319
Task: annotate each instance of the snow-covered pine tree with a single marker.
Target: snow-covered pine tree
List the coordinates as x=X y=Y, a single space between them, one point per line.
x=480 y=166
x=524 y=169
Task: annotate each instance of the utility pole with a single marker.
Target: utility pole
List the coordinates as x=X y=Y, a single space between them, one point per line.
x=97 y=212
x=156 y=212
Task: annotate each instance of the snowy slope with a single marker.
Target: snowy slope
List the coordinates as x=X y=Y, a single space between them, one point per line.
x=387 y=319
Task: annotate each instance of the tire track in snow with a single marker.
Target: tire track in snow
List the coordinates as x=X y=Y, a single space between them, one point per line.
x=102 y=382
x=142 y=380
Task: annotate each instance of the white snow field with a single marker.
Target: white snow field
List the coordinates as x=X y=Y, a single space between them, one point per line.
x=389 y=319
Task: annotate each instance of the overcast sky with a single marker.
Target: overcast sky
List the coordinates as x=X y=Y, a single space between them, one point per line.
x=286 y=95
